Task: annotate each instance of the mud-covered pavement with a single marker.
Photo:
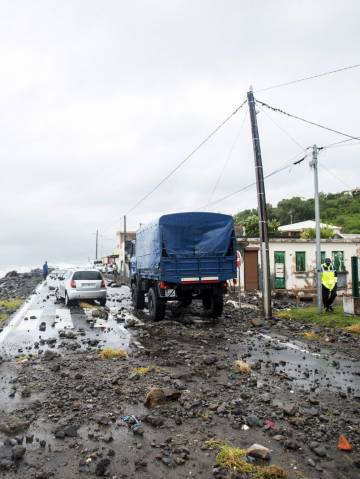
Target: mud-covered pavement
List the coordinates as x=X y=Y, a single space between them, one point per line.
x=66 y=412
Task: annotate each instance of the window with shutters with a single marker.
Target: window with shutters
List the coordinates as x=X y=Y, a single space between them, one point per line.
x=338 y=260
x=300 y=261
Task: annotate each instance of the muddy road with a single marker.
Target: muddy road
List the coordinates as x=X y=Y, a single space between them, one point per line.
x=66 y=411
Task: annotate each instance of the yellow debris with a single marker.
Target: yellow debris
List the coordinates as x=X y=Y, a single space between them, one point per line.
x=141 y=370
x=354 y=328
x=242 y=367
x=84 y=305
x=110 y=353
x=234 y=459
x=310 y=335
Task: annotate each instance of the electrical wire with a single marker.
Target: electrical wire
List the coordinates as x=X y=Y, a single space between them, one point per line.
x=283 y=130
x=179 y=165
x=339 y=144
x=279 y=110
x=228 y=156
x=334 y=175
x=311 y=77
x=244 y=188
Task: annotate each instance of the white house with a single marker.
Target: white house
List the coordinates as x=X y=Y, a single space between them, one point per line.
x=293 y=264
x=120 y=249
x=295 y=229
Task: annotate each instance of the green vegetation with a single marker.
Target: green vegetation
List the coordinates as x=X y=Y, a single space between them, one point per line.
x=234 y=459
x=111 y=353
x=9 y=306
x=310 y=233
x=339 y=209
x=337 y=319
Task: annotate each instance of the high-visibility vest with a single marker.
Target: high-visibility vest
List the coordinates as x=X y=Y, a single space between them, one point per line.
x=328 y=278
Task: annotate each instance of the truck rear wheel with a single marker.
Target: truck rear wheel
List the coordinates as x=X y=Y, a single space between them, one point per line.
x=213 y=304
x=156 y=306
x=185 y=299
x=137 y=297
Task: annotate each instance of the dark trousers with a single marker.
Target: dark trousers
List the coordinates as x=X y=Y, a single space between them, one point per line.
x=328 y=296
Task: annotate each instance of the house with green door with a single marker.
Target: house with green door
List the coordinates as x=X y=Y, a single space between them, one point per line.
x=293 y=262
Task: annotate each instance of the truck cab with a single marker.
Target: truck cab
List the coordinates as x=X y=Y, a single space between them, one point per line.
x=183 y=257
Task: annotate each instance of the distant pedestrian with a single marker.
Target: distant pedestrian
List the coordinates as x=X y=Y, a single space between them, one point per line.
x=328 y=284
x=115 y=272
x=45 y=270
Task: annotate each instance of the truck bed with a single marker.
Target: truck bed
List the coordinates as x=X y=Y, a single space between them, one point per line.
x=210 y=268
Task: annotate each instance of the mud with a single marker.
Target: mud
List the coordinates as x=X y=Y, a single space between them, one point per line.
x=297 y=399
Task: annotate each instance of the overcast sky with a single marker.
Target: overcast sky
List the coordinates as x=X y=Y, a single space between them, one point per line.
x=101 y=99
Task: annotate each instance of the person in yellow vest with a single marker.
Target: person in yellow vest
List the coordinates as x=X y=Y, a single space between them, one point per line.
x=329 y=284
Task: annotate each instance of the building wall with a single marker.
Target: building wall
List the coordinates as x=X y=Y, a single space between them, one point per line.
x=306 y=279
x=119 y=250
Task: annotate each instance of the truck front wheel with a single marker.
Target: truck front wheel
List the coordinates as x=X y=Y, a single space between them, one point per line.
x=213 y=304
x=137 y=297
x=156 y=306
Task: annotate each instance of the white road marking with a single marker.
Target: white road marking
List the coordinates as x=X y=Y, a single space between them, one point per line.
x=64 y=320
x=31 y=324
x=19 y=315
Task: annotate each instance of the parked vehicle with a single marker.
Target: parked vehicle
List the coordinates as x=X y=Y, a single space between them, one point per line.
x=183 y=256
x=82 y=284
x=98 y=264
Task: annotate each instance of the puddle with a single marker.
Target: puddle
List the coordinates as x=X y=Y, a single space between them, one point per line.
x=41 y=310
x=295 y=361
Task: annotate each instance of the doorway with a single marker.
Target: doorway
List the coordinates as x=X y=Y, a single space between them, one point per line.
x=251 y=270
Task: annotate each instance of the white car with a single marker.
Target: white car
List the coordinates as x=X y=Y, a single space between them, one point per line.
x=82 y=284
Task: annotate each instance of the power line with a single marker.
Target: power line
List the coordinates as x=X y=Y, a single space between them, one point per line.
x=244 y=188
x=187 y=157
x=229 y=155
x=283 y=130
x=306 y=121
x=311 y=77
x=334 y=175
x=339 y=144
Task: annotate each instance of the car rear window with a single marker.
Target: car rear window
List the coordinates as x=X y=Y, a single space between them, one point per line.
x=87 y=275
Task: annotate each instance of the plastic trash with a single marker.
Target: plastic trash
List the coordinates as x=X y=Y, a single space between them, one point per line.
x=134 y=424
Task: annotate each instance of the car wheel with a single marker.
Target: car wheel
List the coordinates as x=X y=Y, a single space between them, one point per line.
x=102 y=301
x=68 y=303
x=156 y=306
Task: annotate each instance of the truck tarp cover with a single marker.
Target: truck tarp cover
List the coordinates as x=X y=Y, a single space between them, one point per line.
x=196 y=234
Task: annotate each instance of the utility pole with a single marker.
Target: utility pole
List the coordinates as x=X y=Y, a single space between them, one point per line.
x=124 y=248
x=264 y=238
x=96 y=244
x=314 y=165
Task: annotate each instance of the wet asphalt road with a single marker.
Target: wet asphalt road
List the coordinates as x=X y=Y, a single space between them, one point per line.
x=23 y=334
x=285 y=367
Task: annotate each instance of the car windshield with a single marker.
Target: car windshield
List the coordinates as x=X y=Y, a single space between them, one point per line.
x=87 y=275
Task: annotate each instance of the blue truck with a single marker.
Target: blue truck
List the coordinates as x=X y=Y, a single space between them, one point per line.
x=182 y=257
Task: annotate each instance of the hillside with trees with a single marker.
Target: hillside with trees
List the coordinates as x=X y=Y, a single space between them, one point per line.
x=339 y=209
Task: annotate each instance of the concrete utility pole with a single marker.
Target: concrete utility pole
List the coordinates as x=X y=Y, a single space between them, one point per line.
x=264 y=238
x=124 y=248
x=314 y=165
x=96 y=244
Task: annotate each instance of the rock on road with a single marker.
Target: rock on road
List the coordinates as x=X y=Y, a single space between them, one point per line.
x=259 y=386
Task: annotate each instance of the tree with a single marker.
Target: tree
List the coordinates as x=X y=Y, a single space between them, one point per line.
x=341 y=209
x=251 y=225
x=310 y=233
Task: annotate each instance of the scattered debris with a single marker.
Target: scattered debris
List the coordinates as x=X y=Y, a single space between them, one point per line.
x=159 y=396
x=111 y=353
x=242 y=367
x=344 y=444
